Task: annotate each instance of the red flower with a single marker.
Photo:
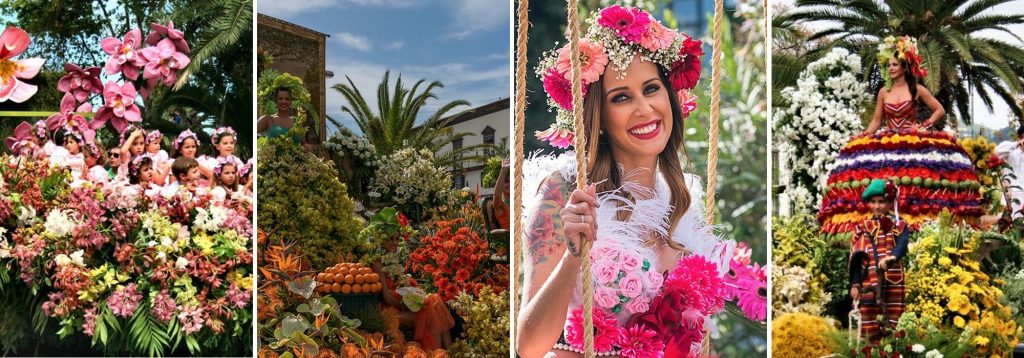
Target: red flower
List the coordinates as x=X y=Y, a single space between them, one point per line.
x=686 y=72
x=462 y=275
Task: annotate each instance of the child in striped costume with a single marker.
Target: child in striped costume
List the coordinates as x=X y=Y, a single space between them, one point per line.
x=876 y=273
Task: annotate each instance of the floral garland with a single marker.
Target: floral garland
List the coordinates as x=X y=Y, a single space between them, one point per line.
x=614 y=36
x=903 y=48
x=824 y=112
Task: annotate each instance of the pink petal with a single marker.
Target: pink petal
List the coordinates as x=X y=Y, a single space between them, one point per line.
x=155 y=31
x=67 y=103
x=110 y=45
x=130 y=71
x=112 y=66
x=5 y=90
x=22 y=91
x=182 y=59
x=128 y=93
x=100 y=118
x=110 y=91
x=118 y=123
x=81 y=95
x=133 y=114
x=152 y=70
x=55 y=121
x=133 y=37
x=181 y=44
x=64 y=83
x=23 y=130
x=84 y=108
x=29 y=67
x=13 y=41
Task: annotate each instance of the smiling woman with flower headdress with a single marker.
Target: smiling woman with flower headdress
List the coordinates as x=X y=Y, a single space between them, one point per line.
x=932 y=169
x=642 y=214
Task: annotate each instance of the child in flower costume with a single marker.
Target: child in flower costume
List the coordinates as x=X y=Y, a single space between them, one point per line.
x=657 y=266
x=932 y=169
x=876 y=274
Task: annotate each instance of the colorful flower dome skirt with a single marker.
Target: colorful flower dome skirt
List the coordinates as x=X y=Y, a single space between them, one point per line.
x=931 y=170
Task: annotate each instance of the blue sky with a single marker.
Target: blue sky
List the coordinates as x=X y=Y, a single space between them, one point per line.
x=462 y=43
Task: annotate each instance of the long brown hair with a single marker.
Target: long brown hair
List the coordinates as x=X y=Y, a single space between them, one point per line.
x=605 y=171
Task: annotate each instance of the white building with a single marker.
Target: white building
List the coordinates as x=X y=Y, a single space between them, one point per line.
x=488 y=124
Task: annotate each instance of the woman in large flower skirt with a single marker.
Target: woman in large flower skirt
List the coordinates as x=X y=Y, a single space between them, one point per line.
x=876 y=274
x=932 y=170
x=642 y=212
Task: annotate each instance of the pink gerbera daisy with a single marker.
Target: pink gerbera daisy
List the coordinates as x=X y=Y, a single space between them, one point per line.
x=699 y=275
x=629 y=23
x=734 y=279
x=606 y=330
x=593 y=60
x=753 y=297
x=558 y=89
x=657 y=37
x=639 y=341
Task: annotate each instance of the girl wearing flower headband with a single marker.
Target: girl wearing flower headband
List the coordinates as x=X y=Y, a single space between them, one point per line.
x=223 y=148
x=142 y=175
x=636 y=76
x=245 y=176
x=876 y=274
x=186 y=145
x=43 y=138
x=225 y=179
x=896 y=103
x=94 y=161
x=154 y=141
x=133 y=144
x=69 y=153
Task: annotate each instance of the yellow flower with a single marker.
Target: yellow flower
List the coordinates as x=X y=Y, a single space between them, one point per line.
x=980 y=341
x=959 y=321
x=945 y=261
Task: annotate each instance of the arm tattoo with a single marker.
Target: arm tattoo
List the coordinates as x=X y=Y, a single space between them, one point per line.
x=543 y=235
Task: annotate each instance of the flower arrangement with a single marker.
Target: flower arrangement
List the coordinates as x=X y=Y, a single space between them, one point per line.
x=409 y=179
x=452 y=260
x=356 y=159
x=989 y=168
x=823 y=113
x=614 y=36
x=913 y=337
x=387 y=238
x=134 y=275
x=946 y=287
x=801 y=335
x=486 y=326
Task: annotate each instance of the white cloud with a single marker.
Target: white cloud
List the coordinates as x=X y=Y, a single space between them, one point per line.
x=472 y=16
x=279 y=8
x=397 y=45
x=357 y=42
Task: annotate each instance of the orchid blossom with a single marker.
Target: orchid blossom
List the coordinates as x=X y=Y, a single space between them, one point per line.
x=159 y=32
x=80 y=83
x=21 y=137
x=163 y=61
x=14 y=41
x=69 y=119
x=119 y=107
x=124 y=55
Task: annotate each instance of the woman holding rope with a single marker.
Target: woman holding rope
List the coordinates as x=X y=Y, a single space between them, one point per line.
x=642 y=214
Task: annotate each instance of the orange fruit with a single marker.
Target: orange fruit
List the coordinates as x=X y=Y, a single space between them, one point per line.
x=360 y=278
x=343 y=271
x=336 y=288
x=379 y=286
x=350 y=279
x=346 y=289
x=357 y=289
x=367 y=288
x=374 y=277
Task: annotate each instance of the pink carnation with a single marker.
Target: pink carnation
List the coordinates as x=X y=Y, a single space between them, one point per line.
x=629 y=23
x=593 y=60
x=639 y=341
x=631 y=285
x=657 y=37
x=559 y=90
x=606 y=330
x=124 y=300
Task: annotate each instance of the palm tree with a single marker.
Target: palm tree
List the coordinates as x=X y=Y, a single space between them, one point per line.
x=393 y=125
x=958 y=58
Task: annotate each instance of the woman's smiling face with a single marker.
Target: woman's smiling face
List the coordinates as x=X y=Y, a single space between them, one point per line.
x=636 y=112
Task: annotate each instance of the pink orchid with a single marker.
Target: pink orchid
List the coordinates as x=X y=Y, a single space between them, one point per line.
x=119 y=107
x=159 y=32
x=163 y=61
x=556 y=135
x=14 y=41
x=67 y=118
x=79 y=82
x=124 y=55
x=21 y=138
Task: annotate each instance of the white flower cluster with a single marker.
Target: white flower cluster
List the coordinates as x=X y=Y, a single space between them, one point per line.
x=791 y=291
x=212 y=219
x=348 y=144
x=410 y=177
x=59 y=224
x=824 y=112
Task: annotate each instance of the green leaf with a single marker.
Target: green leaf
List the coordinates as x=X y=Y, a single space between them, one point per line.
x=292 y=324
x=193 y=346
x=302 y=286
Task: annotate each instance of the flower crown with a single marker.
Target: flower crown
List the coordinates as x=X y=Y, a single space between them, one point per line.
x=154 y=136
x=40 y=129
x=127 y=133
x=73 y=131
x=224 y=130
x=93 y=149
x=615 y=35
x=183 y=136
x=244 y=171
x=223 y=161
x=136 y=164
x=904 y=49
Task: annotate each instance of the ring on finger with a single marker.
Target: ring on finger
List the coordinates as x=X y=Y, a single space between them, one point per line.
x=583 y=219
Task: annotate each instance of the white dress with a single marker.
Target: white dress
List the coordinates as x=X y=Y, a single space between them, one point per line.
x=622 y=243
x=158 y=158
x=1012 y=153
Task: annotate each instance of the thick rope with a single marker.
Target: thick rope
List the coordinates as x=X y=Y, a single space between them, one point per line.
x=517 y=186
x=716 y=79
x=581 y=174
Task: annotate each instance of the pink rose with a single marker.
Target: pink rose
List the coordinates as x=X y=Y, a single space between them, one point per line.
x=607 y=271
x=629 y=263
x=631 y=285
x=605 y=253
x=639 y=305
x=606 y=297
x=656 y=280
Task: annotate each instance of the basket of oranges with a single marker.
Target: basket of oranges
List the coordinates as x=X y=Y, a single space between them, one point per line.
x=356 y=288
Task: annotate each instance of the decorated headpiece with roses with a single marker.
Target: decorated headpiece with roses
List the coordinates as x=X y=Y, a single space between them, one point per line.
x=225 y=161
x=154 y=136
x=615 y=35
x=902 y=48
